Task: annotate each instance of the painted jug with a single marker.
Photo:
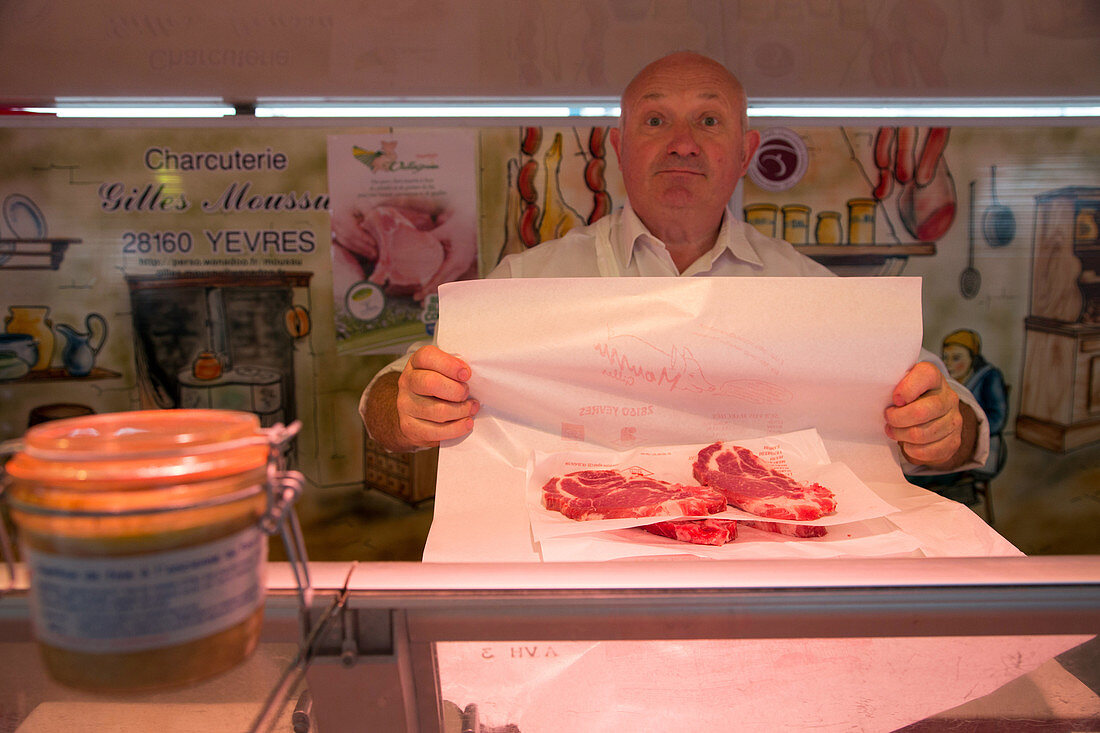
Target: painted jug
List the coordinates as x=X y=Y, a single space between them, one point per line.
x=33 y=320
x=78 y=354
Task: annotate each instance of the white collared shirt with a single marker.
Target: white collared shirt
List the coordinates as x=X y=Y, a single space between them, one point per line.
x=739 y=251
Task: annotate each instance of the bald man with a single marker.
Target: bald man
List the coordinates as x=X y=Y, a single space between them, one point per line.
x=683 y=143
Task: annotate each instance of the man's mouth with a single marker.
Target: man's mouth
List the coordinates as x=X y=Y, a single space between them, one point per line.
x=684 y=171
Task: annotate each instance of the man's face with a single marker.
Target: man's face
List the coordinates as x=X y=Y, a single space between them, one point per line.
x=682 y=147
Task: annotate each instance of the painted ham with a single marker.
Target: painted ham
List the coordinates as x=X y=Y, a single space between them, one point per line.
x=611 y=494
x=751 y=486
x=408 y=258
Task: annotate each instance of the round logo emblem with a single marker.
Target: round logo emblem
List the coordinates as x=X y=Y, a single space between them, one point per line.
x=364 y=300
x=780 y=161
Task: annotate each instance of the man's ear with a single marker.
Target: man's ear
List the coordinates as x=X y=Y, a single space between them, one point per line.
x=614 y=136
x=749 y=144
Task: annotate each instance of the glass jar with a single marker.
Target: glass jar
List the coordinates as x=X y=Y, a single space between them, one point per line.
x=142 y=534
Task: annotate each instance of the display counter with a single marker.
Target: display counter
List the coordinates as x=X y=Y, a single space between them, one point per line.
x=454 y=647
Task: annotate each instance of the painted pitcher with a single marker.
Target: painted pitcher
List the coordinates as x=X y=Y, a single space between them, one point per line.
x=33 y=320
x=78 y=354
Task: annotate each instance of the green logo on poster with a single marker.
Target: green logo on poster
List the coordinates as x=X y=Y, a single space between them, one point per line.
x=386 y=159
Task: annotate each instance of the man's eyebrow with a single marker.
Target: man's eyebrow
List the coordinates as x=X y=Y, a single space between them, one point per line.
x=649 y=96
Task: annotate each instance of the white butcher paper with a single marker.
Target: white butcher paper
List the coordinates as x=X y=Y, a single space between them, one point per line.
x=591 y=364
x=801 y=455
x=629 y=362
x=821 y=353
x=872 y=538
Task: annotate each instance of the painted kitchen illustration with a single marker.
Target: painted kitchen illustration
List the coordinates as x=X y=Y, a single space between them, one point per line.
x=1007 y=250
x=219 y=341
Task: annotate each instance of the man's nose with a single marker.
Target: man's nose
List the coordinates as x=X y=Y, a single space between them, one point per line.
x=682 y=140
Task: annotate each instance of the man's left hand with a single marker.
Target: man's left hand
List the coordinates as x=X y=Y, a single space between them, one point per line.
x=927 y=420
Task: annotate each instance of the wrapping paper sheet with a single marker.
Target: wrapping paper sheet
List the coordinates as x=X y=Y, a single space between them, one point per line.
x=629 y=362
x=603 y=365
x=564 y=366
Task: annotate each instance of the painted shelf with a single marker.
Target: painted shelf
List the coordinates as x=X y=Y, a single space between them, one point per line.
x=34 y=254
x=58 y=374
x=864 y=254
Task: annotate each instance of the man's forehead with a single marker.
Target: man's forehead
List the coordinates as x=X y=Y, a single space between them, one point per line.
x=659 y=95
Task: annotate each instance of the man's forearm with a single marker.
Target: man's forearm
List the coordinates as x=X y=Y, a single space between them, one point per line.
x=378 y=408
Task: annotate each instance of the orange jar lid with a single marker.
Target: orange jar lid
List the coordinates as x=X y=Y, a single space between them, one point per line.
x=141 y=449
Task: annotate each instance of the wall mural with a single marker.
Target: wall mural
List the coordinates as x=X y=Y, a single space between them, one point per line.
x=176 y=266
x=161 y=268
x=540 y=182
x=898 y=187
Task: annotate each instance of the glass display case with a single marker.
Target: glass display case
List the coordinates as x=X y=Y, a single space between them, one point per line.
x=884 y=644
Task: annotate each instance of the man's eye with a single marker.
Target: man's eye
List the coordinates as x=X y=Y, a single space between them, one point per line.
x=710 y=121
x=653 y=121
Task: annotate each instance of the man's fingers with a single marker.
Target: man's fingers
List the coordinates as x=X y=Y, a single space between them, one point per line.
x=426 y=420
x=925 y=418
x=928 y=431
x=431 y=433
x=434 y=409
x=427 y=383
x=434 y=359
x=433 y=401
x=924 y=376
x=932 y=454
x=924 y=410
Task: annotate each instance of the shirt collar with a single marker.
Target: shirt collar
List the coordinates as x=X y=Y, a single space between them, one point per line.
x=731 y=237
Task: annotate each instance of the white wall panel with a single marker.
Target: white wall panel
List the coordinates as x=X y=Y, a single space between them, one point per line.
x=362 y=48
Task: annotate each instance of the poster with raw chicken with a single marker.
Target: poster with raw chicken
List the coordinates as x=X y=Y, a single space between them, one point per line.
x=404 y=221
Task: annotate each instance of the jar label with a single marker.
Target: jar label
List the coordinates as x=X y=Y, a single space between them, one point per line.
x=147 y=601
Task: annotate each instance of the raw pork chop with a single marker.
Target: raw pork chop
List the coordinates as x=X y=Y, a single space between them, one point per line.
x=714 y=531
x=709 y=531
x=793 y=530
x=608 y=494
x=750 y=485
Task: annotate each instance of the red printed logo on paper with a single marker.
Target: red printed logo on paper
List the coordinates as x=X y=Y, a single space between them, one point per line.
x=572 y=431
x=780 y=161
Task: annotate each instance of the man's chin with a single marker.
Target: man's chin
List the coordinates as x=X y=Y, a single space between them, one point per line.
x=681 y=197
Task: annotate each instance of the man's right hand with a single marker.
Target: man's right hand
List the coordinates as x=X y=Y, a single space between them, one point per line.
x=428 y=402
